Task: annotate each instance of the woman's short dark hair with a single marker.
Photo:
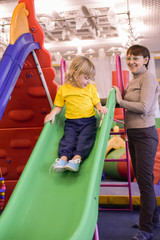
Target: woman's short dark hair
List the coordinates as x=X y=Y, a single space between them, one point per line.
x=138 y=50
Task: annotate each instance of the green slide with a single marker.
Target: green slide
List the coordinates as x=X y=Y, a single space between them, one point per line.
x=57 y=206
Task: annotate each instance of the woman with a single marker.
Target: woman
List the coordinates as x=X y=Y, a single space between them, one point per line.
x=140 y=100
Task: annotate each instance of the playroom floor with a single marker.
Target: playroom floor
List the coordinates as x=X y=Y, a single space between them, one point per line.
x=117 y=225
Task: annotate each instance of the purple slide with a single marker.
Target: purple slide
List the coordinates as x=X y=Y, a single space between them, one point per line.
x=11 y=65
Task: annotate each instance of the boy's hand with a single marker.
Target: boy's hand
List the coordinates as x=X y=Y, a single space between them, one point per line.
x=49 y=117
x=102 y=110
x=52 y=114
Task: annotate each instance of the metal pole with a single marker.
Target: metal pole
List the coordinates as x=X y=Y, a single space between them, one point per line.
x=96 y=233
x=42 y=78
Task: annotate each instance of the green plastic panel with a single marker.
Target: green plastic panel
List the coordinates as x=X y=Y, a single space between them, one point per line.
x=157 y=120
x=111 y=168
x=57 y=206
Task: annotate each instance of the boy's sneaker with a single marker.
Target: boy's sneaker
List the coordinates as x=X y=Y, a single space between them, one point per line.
x=58 y=165
x=73 y=165
x=143 y=235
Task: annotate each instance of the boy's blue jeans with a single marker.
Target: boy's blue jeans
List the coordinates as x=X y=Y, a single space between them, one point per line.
x=79 y=137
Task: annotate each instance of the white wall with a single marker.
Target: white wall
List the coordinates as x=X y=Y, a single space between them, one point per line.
x=103 y=78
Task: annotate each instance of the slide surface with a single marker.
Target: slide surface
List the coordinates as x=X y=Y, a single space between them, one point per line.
x=11 y=65
x=57 y=206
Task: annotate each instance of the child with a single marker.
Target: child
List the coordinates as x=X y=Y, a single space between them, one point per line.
x=79 y=97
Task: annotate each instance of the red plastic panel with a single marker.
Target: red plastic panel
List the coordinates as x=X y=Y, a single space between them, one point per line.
x=16 y=146
x=29 y=103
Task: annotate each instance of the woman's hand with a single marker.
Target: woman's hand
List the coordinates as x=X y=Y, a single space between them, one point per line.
x=118 y=94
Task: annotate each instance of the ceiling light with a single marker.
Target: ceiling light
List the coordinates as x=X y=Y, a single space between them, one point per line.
x=101 y=53
x=64 y=33
x=76 y=42
x=79 y=22
x=112 y=17
x=50 y=26
x=90 y=50
x=79 y=52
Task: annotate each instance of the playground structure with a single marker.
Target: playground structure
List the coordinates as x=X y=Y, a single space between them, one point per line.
x=36 y=208
x=23 y=97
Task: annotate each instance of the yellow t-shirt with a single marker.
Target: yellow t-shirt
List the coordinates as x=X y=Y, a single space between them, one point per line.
x=79 y=102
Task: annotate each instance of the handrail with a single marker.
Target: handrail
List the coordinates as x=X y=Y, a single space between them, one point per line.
x=121 y=86
x=63 y=70
x=42 y=78
x=119 y=75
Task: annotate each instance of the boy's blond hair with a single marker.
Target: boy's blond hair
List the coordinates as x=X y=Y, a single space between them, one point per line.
x=80 y=65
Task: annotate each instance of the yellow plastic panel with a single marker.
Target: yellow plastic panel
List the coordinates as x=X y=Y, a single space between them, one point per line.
x=19 y=22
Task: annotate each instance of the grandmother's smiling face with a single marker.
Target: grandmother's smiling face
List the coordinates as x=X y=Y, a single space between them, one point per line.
x=135 y=62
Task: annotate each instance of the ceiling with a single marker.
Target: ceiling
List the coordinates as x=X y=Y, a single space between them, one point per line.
x=92 y=27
